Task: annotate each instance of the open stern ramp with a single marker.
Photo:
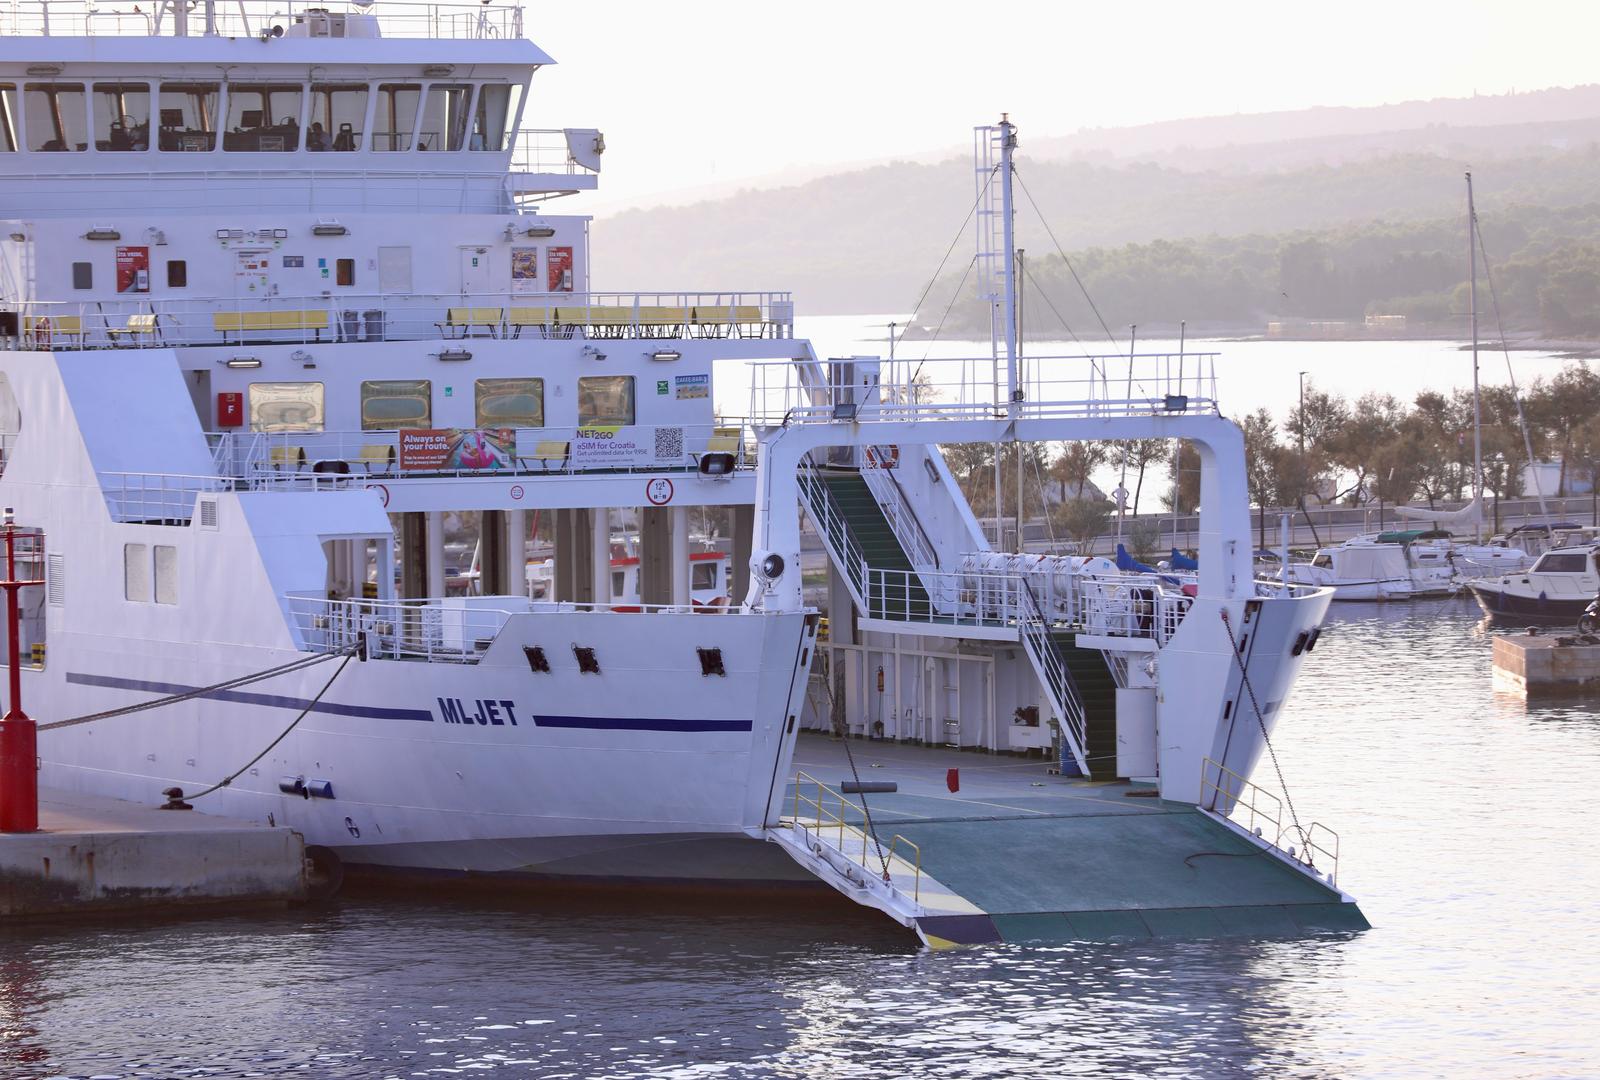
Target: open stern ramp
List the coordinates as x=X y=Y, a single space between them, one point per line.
x=1018 y=855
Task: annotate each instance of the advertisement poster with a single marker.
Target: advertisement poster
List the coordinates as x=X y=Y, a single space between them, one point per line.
x=692 y=386
x=524 y=270
x=558 y=261
x=612 y=446
x=133 y=269
x=457 y=449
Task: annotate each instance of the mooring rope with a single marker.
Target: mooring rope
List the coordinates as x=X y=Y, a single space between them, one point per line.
x=203 y=691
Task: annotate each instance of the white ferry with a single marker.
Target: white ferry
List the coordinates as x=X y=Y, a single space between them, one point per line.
x=280 y=286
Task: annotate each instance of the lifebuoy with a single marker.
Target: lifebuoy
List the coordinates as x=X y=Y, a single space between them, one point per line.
x=883 y=457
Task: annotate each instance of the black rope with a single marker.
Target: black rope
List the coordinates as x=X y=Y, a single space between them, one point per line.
x=1244 y=676
x=189 y=695
x=940 y=328
x=866 y=812
x=225 y=781
x=1063 y=253
x=953 y=242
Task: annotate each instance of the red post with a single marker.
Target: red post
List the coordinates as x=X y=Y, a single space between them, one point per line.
x=19 y=738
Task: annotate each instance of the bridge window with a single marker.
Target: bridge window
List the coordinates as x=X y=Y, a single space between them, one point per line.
x=338 y=113
x=510 y=403
x=136 y=573
x=286 y=406
x=444 y=118
x=605 y=400
x=8 y=118
x=263 y=118
x=389 y=405
x=121 y=116
x=56 y=116
x=494 y=123
x=187 y=122
x=166 y=574
x=395 y=118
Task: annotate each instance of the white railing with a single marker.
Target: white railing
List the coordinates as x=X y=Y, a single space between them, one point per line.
x=1259 y=812
x=453 y=320
x=1040 y=645
x=834 y=530
x=272 y=459
x=249 y=18
x=1130 y=607
x=452 y=630
x=156 y=497
x=1147 y=384
x=546 y=150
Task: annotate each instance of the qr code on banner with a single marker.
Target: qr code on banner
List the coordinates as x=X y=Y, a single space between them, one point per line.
x=669 y=443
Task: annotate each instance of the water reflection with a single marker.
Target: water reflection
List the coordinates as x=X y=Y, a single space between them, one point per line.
x=1465 y=822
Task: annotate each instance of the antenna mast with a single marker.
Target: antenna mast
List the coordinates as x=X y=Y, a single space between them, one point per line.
x=1477 y=410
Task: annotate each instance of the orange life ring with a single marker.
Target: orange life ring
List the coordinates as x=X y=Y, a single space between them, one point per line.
x=883 y=457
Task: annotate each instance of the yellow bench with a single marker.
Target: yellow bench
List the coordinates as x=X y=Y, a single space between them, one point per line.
x=377 y=457
x=520 y=318
x=292 y=458
x=651 y=319
x=44 y=329
x=551 y=454
x=138 y=326
x=268 y=322
x=723 y=440
x=724 y=317
x=465 y=318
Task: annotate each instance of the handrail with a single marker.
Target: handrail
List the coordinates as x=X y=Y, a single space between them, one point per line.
x=1057 y=677
x=897 y=510
x=1265 y=815
x=834 y=531
x=828 y=818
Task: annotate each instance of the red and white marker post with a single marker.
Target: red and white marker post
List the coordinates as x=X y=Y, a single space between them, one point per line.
x=19 y=738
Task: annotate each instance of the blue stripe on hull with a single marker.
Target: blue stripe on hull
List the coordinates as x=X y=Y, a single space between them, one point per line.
x=279 y=701
x=634 y=723
x=242 y=697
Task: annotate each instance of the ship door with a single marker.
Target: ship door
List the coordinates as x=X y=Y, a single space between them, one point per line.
x=394 y=270
x=475 y=278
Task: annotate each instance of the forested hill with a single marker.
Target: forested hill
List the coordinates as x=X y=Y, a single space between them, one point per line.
x=868 y=240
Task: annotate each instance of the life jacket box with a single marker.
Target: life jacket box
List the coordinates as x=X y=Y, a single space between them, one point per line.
x=230 y=409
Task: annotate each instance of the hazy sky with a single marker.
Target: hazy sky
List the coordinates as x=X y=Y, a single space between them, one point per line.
x=697 y=94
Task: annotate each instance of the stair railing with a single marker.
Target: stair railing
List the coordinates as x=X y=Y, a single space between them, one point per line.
x=897 y=510
x=1052 y=668
x=834 y=531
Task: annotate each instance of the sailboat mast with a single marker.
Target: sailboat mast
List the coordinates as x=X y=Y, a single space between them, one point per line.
x=1477 y=409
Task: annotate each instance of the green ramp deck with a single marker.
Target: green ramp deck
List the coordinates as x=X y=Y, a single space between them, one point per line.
x=1043 y=858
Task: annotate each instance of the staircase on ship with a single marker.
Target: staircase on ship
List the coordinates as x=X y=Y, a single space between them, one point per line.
x=888 y=586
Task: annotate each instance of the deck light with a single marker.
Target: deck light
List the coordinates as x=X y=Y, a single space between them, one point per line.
x=589 y=352
x=1177 y=403
x=329 y=228
x=666 y=354
x=453 y=354
x=540 y=230
x=19 y=237
x=437 y=71
x=844 y=410
x=243 y=362
x=102 y=232
x=44 y=69
x=280 y=234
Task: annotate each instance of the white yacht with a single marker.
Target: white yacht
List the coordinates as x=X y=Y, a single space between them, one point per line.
x=280 y=286
x=1387 y=566
x=1555 y=590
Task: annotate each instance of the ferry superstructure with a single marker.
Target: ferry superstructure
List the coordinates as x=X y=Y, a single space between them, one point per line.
x=280 y=288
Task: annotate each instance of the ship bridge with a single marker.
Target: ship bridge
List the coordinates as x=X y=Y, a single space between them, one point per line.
x=326 y=107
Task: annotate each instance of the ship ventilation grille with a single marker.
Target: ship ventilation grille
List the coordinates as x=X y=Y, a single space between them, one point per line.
x=55 y=579
x=208 y=513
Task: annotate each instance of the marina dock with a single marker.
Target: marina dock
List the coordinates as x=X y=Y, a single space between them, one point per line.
x=1017 y=854
x=1545 y=663
x=93 y=855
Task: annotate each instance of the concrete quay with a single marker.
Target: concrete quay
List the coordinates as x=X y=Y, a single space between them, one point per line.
x=93 y=855
x=1545 y=663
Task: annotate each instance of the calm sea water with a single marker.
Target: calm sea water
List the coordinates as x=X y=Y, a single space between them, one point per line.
x=1469 y=829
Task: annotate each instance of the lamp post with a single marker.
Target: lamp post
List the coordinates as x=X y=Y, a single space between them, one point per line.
x=19 y=738
x=1302 y=424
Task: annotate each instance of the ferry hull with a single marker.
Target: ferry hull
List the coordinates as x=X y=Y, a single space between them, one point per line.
x=648 y=769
